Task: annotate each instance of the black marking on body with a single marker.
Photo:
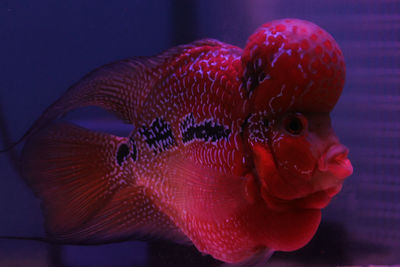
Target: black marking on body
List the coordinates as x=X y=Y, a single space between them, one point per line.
x=125 y=150
x=134 y=153
x=244 y=124
x=252 y=77
x=158 y=136
x=122 y=154
x=207 y=130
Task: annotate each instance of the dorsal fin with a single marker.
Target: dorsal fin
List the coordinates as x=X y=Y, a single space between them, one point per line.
x=120 y=87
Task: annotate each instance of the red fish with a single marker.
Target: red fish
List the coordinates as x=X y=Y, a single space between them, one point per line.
x=232 y=150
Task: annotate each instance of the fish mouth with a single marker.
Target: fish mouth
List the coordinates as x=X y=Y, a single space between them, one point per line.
x=331 y=170
x=334 y=166
x=336 y=162
x=316 y=200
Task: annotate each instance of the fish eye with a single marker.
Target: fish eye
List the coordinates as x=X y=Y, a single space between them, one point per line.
x=295 y=124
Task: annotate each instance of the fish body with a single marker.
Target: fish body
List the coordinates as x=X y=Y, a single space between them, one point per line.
x=232 y=149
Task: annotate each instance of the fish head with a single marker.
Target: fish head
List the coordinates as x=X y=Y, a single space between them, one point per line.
x=298 y=159
x=293 y=73
x=309 y=159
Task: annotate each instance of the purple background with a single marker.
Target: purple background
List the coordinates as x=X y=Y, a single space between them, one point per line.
x=45 y=46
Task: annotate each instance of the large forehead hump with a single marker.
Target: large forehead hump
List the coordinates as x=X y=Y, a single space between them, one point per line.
x=298 y=65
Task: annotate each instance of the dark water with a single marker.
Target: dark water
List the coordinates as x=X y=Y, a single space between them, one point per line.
x=45 y=46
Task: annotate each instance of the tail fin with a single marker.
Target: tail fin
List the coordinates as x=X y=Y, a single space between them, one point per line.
x=74 y=171
x=88 y=188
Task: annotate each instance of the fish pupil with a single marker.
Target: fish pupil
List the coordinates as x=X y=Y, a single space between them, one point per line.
x=294 y=126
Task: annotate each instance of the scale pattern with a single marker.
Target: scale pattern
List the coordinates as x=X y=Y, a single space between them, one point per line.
x=199 y=165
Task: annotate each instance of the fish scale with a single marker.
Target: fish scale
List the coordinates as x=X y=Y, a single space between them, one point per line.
x=232 y=149
x=198 y=101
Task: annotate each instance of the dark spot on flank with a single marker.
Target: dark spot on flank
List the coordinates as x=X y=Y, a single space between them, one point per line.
x=158 y=136
x=254 y=75
x=122 y=154
x=261 y=76
x=207 y=130
x=134 y=152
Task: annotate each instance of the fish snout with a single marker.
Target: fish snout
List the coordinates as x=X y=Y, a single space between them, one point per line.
x=335 y=161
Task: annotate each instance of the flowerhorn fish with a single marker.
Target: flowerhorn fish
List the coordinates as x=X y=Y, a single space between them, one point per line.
x=232 y=149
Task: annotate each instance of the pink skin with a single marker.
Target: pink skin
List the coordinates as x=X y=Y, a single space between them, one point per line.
x=294 y=69
x=275 y=96
x=291 y=70
x=293 y=65
x=311 y=164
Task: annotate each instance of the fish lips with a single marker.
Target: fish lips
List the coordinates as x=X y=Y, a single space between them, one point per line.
x=330 y=171
x=332 y=168
x=319 y=199
x=336 y=162
x=316 y=200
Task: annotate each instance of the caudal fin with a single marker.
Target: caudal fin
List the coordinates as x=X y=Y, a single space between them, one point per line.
x=75 y=172
x=88 y=187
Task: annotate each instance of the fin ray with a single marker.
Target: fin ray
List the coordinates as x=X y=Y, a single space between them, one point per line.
x=74 y=172
x=87 y=197
x=205 y=192
x=121 y=87
x=131 y=214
